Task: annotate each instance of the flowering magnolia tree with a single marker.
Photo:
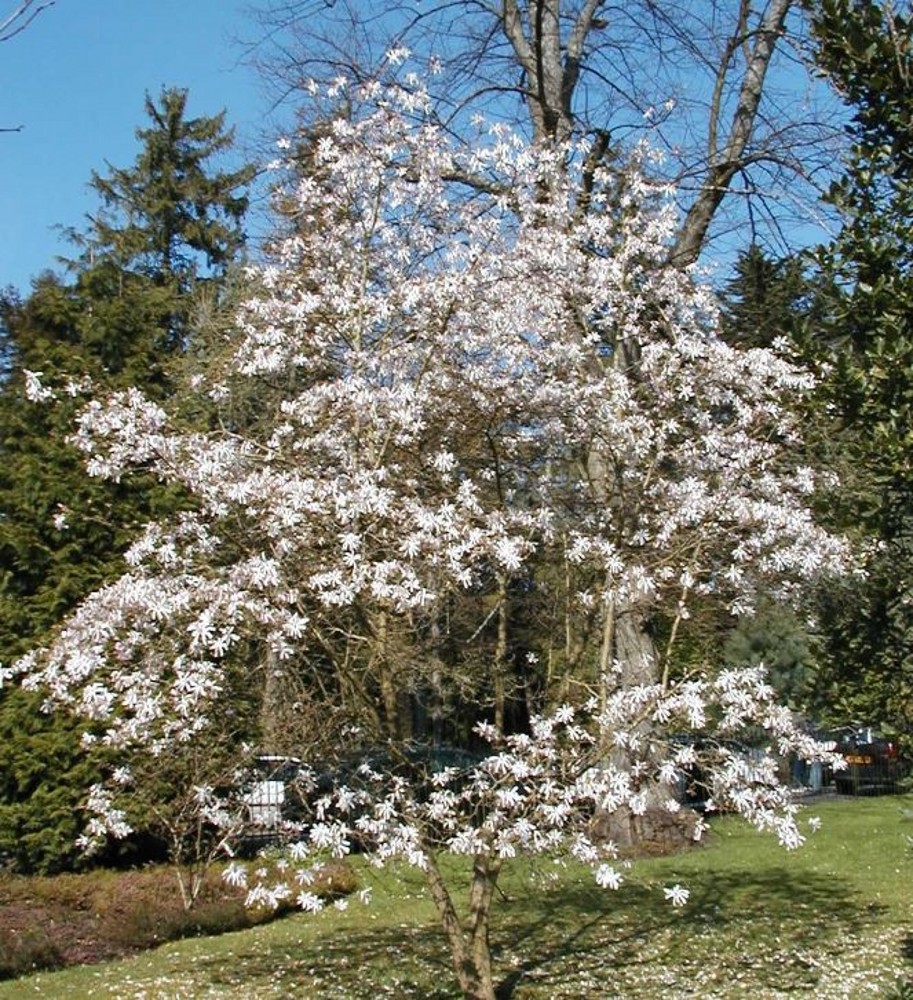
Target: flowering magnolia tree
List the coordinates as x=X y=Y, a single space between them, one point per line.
x=540 y=793
x=473 y=387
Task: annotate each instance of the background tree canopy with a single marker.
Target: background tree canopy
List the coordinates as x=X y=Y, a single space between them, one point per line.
x=153 y=300
x=169 y=227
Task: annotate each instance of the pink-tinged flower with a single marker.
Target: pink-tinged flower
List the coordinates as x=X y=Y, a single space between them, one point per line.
x=236 y=874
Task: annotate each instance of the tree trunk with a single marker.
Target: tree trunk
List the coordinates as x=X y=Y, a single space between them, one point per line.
x=501 y=651
x=485 y=871
x=635 y=649
x=471 y=955
x=551 y=68
x=389 y=695
x=271 y=706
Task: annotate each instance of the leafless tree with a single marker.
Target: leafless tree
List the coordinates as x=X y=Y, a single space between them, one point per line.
x=723 y=87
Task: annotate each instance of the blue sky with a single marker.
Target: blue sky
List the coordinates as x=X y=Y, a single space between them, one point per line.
x=75 y=80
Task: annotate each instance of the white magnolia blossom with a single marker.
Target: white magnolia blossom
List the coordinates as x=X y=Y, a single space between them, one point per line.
x=35 y=390
x=451 y=391
x=470 y=385
x=105 y=819
x=677 y=895
x=570 y=774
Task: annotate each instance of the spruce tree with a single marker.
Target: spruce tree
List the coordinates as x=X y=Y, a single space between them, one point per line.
x=169 y=216
x=168 y=229
x=766 y=298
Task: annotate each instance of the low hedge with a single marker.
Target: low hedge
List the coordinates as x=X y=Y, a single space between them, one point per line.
x=51 y=922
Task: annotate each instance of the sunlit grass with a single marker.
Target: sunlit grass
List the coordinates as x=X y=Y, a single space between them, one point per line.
x=830 y=920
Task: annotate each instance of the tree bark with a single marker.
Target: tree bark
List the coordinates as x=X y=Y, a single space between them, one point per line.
x=271 y=705
x=485 y=871
x=549 y=44
x=551 y=69
x=471 y=958
x=501 y=651
x=389 y=695
x=635 y=649
x=723 y=164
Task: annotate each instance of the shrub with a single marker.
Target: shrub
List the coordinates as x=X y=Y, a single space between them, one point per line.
x=50 y=922
x=25 y=950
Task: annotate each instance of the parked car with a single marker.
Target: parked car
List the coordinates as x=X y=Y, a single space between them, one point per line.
x=272 y=801
x=281 y=797
x=874 y=763
x=696 y=782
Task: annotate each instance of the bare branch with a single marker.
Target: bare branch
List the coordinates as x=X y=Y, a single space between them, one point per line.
x=720 y=86
x=513 y=28
x=727 y=164
x=19 y=19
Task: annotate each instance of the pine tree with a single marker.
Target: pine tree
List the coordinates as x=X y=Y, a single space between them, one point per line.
x=766 y=298
x=168 y=230
x=168 y=216
x=167 y=225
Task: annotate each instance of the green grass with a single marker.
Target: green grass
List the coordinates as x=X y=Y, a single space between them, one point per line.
x=830 y=920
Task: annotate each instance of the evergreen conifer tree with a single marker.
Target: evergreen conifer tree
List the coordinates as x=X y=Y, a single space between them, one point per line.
x=169 y=227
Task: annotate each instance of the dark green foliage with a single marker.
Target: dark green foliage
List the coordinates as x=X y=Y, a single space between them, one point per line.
x=168 y=225
x=867 y=52
x=169 y=218
x=42 y=763
x=60 y=536
x=866 y=672
x=168 y=229
x=766 y=299
x=60 y=531
x=864 y=48
x=776 y=637
x=865 y=336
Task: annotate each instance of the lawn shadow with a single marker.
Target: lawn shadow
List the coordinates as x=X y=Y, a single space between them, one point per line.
x=907 y=948
x=772 y=926
x=395 y=961
x=778 y=923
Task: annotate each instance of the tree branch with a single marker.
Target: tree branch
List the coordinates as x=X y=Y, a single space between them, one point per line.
x=723 y=167
x=19 y=19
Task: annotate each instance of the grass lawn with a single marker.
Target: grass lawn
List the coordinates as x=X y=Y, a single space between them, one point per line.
x=830 y=920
